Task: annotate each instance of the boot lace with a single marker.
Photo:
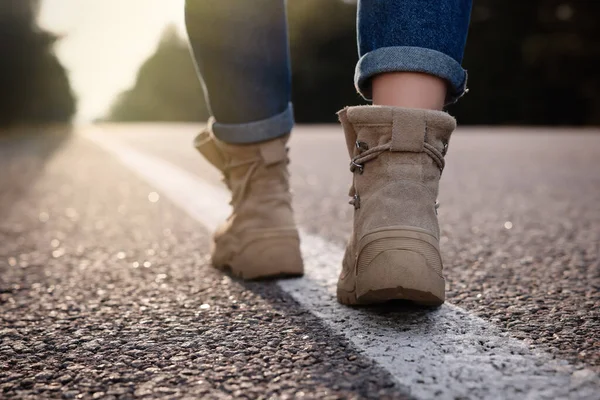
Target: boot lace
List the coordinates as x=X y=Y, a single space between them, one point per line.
x=366 y=154
x=238 y=193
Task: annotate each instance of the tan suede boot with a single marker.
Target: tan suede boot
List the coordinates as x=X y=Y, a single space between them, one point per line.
x=397 y=159
x=259 y=239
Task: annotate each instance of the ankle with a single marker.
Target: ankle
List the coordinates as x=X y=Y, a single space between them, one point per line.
x=410 y=90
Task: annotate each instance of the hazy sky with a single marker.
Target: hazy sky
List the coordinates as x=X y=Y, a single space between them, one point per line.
x=105 y=43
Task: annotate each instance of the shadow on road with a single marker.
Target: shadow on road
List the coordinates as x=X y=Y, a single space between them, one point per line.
x=398 y=316
x=24 y=151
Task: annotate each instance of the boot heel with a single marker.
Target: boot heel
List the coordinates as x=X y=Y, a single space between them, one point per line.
x=399 y=275
x=269 y=258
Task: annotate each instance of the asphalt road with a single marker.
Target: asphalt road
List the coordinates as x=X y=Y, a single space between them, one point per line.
x=105 y=288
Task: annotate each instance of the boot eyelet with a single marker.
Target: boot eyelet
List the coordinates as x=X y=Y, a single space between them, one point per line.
x=354 y=166
x=355 y=202
x=362 y=146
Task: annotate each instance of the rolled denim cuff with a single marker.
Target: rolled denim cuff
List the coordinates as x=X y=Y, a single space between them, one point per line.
x=410 y=59
x=256 y=131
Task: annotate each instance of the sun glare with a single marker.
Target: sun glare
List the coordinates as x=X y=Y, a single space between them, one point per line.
x=105 y=42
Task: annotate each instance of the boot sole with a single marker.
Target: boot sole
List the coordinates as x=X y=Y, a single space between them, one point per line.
x=244 y=275
x=397 y=264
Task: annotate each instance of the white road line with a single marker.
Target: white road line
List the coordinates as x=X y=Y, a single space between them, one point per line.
x=442 y=354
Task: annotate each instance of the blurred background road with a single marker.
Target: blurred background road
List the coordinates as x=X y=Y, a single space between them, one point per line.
x=105 y=287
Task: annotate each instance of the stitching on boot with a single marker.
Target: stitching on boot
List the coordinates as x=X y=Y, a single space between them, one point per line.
x=413 y=181
x=408 y=134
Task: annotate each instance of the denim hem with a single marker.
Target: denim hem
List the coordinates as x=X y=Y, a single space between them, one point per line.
x=410 y=59
x=256 y=131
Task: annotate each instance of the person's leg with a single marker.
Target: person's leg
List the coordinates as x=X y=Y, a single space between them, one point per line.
x=241 y=53
x=411 y=51
x=410 y=66
x=242 y=56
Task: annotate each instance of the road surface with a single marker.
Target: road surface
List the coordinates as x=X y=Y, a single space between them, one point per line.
x=106 y=289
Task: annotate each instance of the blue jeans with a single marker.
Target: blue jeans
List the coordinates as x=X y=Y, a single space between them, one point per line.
x=242 y=56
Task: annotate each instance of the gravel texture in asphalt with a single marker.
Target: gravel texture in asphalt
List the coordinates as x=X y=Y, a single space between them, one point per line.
x=106 y=292
x=520 y=220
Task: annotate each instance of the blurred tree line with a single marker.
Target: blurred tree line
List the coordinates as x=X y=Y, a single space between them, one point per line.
x=35 y=87
x=529 y=62
x=166 y=88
